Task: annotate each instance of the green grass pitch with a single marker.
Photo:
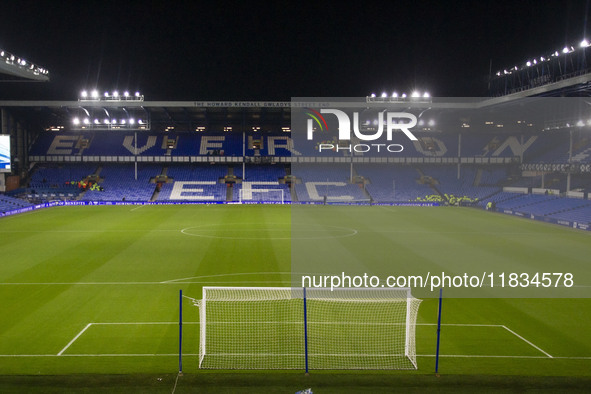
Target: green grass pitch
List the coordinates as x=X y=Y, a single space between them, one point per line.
x=91 y=293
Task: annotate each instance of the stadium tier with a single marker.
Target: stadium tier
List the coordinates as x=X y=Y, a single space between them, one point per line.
x=10 y=203
x=98 y=146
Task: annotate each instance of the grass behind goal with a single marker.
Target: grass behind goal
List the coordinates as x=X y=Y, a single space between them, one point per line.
x=105 y=281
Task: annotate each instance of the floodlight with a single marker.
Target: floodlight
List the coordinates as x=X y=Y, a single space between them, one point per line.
x=76 y=121
x=84 y=94
x=373 y=95
x=528 y=63
x=565 y=50
x=403 y=95
x=115 y=94
x=122 y=121
x=535 y=61
x=584 y=43
x=395 y=95
x=2 y=53
x=580 y=123
x=426 y=95
x=86 y=121
x=384 y=95
x=415 y=94
x=131 y=121
x=137 y=94
x=126 y=93
x=94 y=94
x=431 y=123
x=421 y=122
x=106 y=121
x=106 y=94
x=96 y=121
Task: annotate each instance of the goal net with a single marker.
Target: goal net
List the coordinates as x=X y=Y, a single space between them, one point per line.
x=296 y=328
x=261 y=195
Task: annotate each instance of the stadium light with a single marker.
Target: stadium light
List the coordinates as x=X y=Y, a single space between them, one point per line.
x=416 y=95
x=19 y=67
x=114 y=96
x=584 y=43
x=76 y=121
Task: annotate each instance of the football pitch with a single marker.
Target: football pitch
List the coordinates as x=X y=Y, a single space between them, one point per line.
x=94 y=291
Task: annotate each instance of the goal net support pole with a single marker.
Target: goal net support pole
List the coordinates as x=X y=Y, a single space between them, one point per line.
x=307 y=328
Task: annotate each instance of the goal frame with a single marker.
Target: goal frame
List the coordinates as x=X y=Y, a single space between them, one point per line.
x=242 y=201
x=300 y=293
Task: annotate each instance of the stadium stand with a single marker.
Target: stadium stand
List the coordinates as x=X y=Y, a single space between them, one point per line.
x=119 y=184
x=186 y=183
x=330 y=180
x=8 y=203
x=387 y=184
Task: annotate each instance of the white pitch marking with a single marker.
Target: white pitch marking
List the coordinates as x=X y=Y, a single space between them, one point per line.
x=141 y=323
x=221 y=275
x=526 y=341
x=73 y=340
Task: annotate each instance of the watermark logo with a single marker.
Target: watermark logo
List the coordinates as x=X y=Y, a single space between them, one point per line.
x=318 y=118
x=386 y=122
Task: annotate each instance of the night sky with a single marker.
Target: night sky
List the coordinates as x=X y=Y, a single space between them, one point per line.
x=276 y=50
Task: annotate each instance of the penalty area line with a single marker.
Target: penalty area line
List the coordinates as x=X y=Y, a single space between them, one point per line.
x=526 y=341
x=74 y=340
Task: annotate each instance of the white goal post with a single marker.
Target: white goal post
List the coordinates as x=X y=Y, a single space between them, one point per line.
x=264 y=195
x=297 y=328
